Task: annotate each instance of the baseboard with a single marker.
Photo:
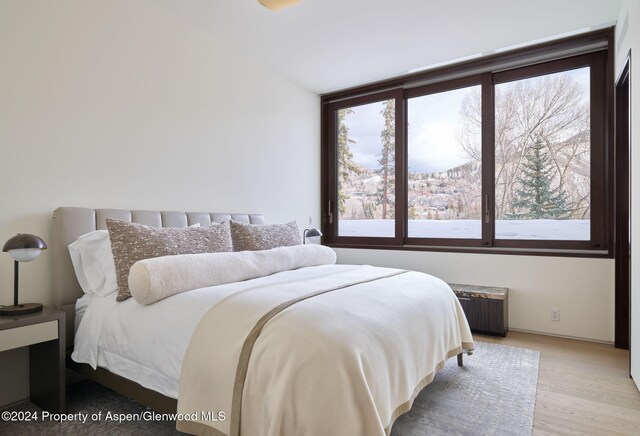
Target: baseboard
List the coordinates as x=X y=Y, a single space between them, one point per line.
x=555 y=335
x=15 y=403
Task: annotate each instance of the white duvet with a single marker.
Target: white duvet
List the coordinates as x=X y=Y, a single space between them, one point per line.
x=403 y=327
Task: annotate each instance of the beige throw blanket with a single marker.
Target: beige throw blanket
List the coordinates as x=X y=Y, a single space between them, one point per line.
x=155 y=279
x=335 y=349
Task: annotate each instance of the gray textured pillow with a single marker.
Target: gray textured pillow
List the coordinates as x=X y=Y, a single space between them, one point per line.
x=132 y=242
x=264 y=236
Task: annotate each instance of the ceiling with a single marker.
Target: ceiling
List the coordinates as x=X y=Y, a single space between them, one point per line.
x=326 y=45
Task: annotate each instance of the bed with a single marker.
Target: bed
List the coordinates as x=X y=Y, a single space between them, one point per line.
x=142 y=351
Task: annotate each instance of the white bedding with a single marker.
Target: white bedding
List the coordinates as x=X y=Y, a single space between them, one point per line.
x=146 y=343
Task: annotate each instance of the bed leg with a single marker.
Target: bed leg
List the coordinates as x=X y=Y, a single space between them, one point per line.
x=460 y=359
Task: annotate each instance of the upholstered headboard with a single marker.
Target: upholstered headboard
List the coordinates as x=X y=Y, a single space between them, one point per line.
x=71 y=222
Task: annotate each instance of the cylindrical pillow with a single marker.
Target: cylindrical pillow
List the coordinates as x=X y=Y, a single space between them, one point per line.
x=155 y=279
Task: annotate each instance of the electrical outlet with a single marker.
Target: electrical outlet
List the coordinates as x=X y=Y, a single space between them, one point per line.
x=555 y=314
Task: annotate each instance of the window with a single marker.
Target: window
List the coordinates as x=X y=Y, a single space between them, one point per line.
x=542 y=157
x=507 y=155
x=445 y=165
x=366 y=169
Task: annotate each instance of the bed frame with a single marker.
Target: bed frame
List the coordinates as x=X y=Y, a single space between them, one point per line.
x=71 y=222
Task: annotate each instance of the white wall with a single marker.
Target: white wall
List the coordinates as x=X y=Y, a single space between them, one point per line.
x=630 y=11
x=122 y=104
x=581 y=288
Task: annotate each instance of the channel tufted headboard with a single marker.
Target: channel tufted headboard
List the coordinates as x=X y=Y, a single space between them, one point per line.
x=71 y=222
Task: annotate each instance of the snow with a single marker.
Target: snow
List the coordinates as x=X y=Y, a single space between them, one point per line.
x=569 y=230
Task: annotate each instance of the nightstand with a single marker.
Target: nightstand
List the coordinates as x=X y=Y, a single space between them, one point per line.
x=44 y=333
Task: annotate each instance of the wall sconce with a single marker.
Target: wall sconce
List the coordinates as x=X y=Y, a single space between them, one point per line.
x=310 y=233
x=23 y=248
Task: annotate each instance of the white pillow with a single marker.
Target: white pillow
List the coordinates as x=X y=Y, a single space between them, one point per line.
x=92 y=260
x=74 y=252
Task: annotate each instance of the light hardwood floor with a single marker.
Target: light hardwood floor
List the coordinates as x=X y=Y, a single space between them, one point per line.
x=583 y=387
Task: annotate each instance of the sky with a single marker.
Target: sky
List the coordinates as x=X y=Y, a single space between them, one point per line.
x=434 y=124
x=434 y=127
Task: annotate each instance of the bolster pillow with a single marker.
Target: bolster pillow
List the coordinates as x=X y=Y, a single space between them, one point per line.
x=155 y=279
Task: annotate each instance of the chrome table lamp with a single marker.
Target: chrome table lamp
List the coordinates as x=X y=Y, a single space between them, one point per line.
x=23 y=248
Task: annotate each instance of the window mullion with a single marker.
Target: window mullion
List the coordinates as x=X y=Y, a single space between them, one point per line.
x=401 y=196
x=330 y=197
x=488 y=161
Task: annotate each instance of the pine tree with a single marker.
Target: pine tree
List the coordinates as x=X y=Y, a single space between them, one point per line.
x=368 y=210
x=412 y=212
x=386 y=192
x=535 y=198
x=346 y=166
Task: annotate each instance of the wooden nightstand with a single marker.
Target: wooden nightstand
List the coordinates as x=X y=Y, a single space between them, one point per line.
x=44 y=333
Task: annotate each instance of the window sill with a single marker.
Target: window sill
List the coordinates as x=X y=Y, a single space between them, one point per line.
x=602 y=254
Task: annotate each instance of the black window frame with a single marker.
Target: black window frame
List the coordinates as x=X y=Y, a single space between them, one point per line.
x=594 y=50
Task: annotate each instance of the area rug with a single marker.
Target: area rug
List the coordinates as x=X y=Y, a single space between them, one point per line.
x=492 y=394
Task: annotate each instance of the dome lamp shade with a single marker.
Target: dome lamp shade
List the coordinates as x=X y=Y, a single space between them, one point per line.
x=311 y=233
x=24 y=247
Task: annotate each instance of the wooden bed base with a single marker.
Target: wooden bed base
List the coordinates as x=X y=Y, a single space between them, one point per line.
x=130 y=389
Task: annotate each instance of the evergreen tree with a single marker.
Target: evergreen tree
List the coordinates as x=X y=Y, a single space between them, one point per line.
x=535 y=198
x=386 y=192
x=346 y=166
x=412 y=212
x=368 y=210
